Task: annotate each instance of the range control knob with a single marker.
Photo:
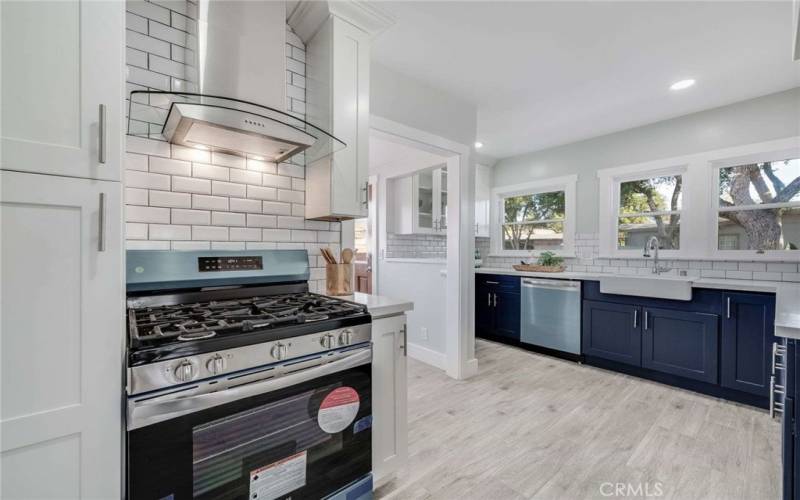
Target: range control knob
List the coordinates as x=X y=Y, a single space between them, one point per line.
x=346 y=337
x=279 y=351
x=184 y=372
x=328 y=341
x=216 y=364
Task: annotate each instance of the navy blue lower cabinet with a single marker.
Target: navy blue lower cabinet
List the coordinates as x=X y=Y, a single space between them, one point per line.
x=680 y=343
x=612 y=331
x=507 y=314
x=484 y=314
x=747 y=336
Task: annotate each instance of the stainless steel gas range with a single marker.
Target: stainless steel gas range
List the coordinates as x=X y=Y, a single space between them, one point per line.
x=241 y=383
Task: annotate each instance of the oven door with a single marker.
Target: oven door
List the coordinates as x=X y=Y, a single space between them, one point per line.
x=298 y=430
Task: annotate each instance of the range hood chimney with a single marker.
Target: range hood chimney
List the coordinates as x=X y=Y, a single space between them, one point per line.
x=237 y=80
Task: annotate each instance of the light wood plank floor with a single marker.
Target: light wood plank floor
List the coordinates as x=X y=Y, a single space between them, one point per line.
x=532 y=426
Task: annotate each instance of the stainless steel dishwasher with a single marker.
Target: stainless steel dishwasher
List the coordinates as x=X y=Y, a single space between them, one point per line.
x=551 y=314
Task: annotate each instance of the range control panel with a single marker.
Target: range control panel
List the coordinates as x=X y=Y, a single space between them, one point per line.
x=233 y=263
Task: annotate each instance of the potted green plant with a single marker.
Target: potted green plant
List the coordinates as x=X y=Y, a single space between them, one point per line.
x=548 y=262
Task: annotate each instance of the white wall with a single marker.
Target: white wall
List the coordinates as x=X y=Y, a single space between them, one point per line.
x=765 y=118
x=408 y=101
x=425 y=285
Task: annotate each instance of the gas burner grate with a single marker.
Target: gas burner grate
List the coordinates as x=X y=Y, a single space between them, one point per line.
x=189 y=322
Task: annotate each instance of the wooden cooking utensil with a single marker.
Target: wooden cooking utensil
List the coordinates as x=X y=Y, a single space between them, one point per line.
x=328 y=255
x=347 y=256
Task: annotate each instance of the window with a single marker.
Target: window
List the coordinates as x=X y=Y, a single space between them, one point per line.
x=650 y=207
x=534 y=221
x=534 y=217
x=758 y=206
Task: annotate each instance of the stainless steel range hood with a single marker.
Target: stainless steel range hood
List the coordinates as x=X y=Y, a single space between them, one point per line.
x=233 y=91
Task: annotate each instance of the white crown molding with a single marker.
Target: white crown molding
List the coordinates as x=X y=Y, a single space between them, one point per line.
x=308 y=15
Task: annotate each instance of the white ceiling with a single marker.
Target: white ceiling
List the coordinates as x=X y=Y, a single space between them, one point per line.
x=392 y=158
x=549 y=73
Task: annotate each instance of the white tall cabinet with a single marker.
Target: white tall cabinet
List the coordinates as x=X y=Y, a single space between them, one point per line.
x=389 y=397
x=419 y=203
x=62 y=291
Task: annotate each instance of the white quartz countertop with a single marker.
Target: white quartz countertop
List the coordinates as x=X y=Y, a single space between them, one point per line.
x=379 y=306
x=787 y=295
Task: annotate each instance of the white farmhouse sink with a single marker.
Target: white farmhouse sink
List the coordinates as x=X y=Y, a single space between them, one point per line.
x=660 y=287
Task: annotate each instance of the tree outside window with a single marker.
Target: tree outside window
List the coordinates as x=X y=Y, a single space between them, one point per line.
x=650 y=207
x=534 y=221
x=759 y=203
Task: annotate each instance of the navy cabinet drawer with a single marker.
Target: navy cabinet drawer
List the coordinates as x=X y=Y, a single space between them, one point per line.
x=680 y=343
x=498 y=281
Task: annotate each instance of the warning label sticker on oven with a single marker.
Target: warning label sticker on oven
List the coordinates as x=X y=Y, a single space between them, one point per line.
x=338 y=410
x=279 y=478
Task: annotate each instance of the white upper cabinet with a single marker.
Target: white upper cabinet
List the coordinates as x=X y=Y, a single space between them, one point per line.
x=61 y=346
x=419 y=203
x=62 y=92
x=483 y=189
x=337 y=94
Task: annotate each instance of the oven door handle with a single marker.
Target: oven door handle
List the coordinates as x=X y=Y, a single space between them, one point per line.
x=150 y=411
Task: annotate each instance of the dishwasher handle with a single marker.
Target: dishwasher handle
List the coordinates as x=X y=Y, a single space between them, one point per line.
x=567 y=286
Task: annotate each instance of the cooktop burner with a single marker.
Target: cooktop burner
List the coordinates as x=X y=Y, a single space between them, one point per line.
x=156 y=325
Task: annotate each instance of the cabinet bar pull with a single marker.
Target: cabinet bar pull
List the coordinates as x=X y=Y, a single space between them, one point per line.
x=645 y=320
x=495 y=300
x=405 y=340
x=635 y=318
x=101 y=232
x=101 y=143
x=728 y=308
x=491 y=282
x=489 y=299
x=366 y=194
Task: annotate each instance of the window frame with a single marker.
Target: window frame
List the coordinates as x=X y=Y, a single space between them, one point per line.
x=716 y=164
x=672 y=171
x=700 y=203
x=499 y=194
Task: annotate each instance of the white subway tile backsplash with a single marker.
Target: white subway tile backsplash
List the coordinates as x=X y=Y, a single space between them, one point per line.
x=191 y=217
x=781 y=267
x=169 y=199
x=256 y=220
x=170 y=232
x=291 y=196
x=199 y=200
x=170 y=167
x=146 y=245
x=278 y=181
x=724 y=265
x=191 y=185
x=147 y=214
x=204 y=202
x=277 y=208
x=242 y=205
x=221 y=188
x=245 y=234
x=245 y=176
x=767 y=276
x=211 y=233
x=752 y=266
x=146 y=180
x=227 y=219
x=739 y=275
x=262 y=193
x=795 y=277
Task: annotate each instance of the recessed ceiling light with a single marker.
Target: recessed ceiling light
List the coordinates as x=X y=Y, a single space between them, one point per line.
x=683 y=84
x=478 y=144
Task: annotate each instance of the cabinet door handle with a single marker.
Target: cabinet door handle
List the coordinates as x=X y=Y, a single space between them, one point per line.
x=366 y=193
x=405 y=341
x=728 y=308
x=489 y=299
x=495 y=300
x=101 y=142
x=491 y=282
x=635 y=318
x=645 y=320
x=101 y=231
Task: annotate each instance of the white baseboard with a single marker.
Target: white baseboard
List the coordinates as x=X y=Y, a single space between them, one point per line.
x=427 y=355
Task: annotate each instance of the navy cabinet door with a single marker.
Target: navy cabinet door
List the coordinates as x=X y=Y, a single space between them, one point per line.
x=507 y=314
x=484 y=313
x=747 y=337
x=612 y=331
x=681 y=343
